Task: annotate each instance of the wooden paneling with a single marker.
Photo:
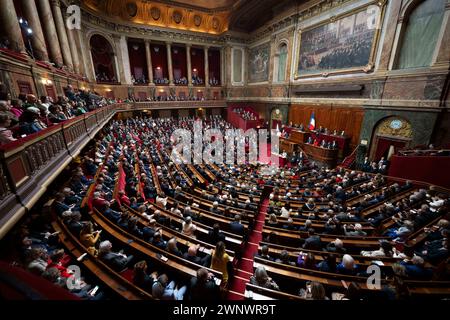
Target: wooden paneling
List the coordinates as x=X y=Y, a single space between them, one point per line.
x=332 y=117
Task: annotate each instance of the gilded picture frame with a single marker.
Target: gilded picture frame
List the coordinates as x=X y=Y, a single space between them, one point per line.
x=366 y=68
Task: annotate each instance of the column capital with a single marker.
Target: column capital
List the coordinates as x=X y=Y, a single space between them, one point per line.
x=55 y=3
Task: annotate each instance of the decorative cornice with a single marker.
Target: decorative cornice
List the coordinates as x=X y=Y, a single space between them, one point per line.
x=92 y=21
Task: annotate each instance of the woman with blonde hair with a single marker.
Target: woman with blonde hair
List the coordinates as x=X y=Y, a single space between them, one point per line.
x=89 y=237
x=220 y=261
x=273 y=219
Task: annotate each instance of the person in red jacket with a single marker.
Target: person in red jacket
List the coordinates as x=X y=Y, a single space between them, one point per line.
x=124 y=199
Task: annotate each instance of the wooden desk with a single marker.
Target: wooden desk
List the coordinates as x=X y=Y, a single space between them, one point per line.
x=287 y=145
x=327 y=156
x=298 y=136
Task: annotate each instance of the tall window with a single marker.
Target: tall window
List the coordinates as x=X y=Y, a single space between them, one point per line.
x=282 y=58
x=422 y=31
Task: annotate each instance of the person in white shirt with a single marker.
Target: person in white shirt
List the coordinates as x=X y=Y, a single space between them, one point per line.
x=188 y=228
x=161 y=200
x=285 y=213
x=437 y=202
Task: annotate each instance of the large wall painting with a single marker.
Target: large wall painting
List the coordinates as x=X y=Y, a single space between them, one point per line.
x=258 y=63
x=343 y=44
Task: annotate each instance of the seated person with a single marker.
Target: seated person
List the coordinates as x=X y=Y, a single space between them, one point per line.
x=141 y=278
x=265 y=253
x=203 y=287
x=116 y=260
x=164 y=290
x=261 y=279
x=347 y=266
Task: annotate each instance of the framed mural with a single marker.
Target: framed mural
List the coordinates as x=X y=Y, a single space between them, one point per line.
x=258 y=63
x=342 y=44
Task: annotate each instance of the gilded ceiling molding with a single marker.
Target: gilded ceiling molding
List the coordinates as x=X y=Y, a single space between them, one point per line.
x=157 y=14
x=135 y=31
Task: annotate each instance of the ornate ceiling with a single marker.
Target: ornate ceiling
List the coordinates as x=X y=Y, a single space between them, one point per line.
x=200 y=15
x=207 y=16
x=203 y=4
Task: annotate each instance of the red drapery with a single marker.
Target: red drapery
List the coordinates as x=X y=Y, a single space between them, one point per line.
x=383 y=146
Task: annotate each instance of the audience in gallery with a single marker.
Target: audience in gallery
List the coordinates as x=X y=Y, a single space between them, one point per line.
x=246 y=114
x=103 y=77
x=27 y=114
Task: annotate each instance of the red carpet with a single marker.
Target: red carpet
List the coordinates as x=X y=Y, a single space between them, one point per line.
x=244 y=269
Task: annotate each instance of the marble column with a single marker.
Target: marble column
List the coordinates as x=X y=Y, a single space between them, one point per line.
x=83 y=49
x=189 y=64
x=148 y=55
x=206 y=66
x=37 y=39
x=49 y=29
x=169 y=62
x=120 y=72
x=11 y=27
x=73 y=51
x=67 y=50
x=222 y=66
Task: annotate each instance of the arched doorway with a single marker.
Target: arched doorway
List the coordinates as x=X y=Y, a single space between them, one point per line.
x=276 y=118
x=103 y=59
x=390 y=135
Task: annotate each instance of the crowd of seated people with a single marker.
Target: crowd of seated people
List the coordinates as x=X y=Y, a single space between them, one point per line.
x=181 y=81
x=27 y=114
x=157 y=189
x=323 y=143
x=196 y=80
x=244 y=114
x=169 y=97
x=140 y=80
x=214 y=82
x=431 y=150
x=103 y=77
x=374 y=167
x=161 y=80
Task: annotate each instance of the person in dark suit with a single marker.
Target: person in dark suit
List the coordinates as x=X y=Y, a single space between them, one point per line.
x=59 y=206
x=215 y=235
x=141 y=278
x=203 y=287
x=265 y=253
x=313 y=241
x=236 y=226
x=116 y=260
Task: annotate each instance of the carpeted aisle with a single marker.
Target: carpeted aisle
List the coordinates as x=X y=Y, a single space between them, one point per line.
x=244 y=269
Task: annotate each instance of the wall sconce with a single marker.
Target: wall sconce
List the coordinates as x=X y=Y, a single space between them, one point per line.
x=161 y=90
x=158 y=68
x=135 y=47
x=46 y=82
x=156 y=49
x=195 y=70
x=108 y=90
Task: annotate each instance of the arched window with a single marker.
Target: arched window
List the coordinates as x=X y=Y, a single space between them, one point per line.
x=103 y=59
x=421 y=34
x=282 y=61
